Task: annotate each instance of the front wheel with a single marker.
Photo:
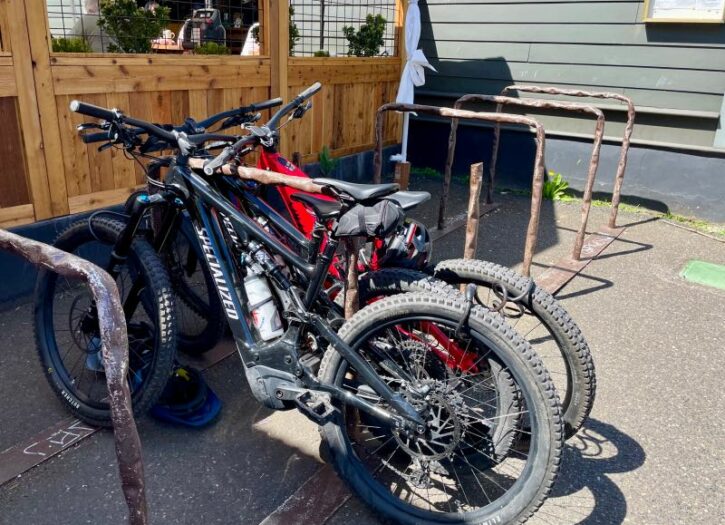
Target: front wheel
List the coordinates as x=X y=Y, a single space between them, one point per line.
x=455 y=472
x=67 y=332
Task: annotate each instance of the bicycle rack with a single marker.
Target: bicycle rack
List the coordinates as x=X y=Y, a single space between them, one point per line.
x=114 y=349
x=626 y=139
x=564 y=270
x=538 y=104
x=452 y=113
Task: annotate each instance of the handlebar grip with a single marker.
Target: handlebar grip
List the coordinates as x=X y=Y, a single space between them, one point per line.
x=307 y=93
x=95 y=137
x=217 y=162
x=83 y=108
x=267 y=104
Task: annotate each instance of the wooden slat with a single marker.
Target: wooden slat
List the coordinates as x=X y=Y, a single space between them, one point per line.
x=124 y=174
x=198 y=104
x=8 y=85
x=100 y=199
x=36 y=21
x=144 y=78
x=306 y=74
x=28 y=110
x=13 y=182
x=16 y=215
x=279 y=46
x=75 y=153
x=100 y=59
x=5 y=45
x=179 y=106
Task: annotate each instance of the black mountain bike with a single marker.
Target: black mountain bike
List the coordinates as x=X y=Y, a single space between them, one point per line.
x=417 y=440
x=533 y=312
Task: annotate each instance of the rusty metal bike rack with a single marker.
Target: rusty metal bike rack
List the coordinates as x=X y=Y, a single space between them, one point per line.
x=538 y=177
x=538 y=104
x=626 y=139
x=114 y=349
x=564 y=270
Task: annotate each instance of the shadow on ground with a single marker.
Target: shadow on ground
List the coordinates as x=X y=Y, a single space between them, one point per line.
x=584 y=493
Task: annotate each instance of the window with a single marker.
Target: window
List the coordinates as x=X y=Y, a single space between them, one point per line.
x=684 y=11
x=191 y=27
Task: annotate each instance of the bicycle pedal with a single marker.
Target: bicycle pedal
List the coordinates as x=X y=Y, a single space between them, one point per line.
x=315 y=406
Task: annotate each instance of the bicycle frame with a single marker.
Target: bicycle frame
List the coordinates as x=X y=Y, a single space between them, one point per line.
x=274 y=370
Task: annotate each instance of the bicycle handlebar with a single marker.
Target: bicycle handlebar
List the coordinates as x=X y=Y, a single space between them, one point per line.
x=299 y=99
x=238 y=112
x=231 y=151
x=95 y=137
x=116 y=116
x=76 y=106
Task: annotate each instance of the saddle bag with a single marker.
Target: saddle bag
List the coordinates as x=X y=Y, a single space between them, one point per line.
x=370 y=221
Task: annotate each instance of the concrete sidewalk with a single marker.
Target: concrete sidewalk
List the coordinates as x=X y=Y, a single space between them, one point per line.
x=652 y=453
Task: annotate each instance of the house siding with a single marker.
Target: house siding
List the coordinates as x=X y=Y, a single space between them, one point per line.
x=678 y=69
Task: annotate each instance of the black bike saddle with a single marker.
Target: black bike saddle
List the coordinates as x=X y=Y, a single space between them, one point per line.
x=324 y=209
x=359 y=192
x=409 y=199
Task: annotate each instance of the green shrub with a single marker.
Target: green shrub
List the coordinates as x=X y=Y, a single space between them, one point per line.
x=327 y=163
x=212 y=48
x=322 y=53
x=366 y=41
x=130 y=27
x=71 y=45
x=555 y=186
x=294 y=32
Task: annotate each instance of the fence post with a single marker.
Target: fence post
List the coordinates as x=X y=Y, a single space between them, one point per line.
x=29 y=119
x=30 y=43
x=278 y=46
x=474 y=195
x=402 y=174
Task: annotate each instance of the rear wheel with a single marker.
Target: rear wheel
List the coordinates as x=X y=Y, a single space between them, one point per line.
x=66 y=326
x=543 y=322
x=455 y=471
x=531 y=311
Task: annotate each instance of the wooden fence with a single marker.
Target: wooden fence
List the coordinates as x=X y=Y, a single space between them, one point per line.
x=48 y=172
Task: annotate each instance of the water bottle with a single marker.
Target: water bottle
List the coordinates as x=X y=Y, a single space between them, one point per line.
x=264 y=312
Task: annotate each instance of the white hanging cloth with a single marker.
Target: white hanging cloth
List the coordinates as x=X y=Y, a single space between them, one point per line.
x=414 y=71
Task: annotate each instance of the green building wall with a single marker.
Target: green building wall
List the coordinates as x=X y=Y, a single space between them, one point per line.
x=674 y=72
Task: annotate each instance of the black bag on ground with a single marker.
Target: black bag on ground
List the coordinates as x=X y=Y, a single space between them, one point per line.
x=370 y=221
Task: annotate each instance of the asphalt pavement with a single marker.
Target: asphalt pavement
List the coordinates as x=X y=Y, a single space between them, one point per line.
x=653 y=451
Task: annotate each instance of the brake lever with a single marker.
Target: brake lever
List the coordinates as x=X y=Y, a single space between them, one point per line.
x=92 y=125
x=302 y=109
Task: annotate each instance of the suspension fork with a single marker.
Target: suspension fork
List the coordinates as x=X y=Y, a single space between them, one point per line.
x=160 y=243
